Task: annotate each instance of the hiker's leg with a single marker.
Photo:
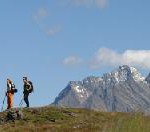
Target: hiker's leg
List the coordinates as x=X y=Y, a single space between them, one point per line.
x=9 y=100
x=8 y=107
x=26 y=99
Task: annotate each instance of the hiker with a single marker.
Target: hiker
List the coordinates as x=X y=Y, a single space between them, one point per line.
x=10 y=93
x=28 y=88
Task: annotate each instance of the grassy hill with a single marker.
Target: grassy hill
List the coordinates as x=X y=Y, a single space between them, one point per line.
x=47 y=119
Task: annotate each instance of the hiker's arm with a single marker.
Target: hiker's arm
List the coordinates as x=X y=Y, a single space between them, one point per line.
x=6 y=93
x=29 y=86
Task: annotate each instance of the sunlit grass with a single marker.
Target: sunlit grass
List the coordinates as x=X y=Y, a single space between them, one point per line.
x=65 y=119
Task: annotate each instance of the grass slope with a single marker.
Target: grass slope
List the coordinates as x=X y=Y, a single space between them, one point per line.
x=51 y=119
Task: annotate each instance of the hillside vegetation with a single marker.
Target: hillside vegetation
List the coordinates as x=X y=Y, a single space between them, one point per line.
x=52 y=119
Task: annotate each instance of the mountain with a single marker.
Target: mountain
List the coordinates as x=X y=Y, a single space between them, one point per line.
x=122 y=90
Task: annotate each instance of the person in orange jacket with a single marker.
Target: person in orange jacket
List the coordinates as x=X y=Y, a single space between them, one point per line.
x=10 y=93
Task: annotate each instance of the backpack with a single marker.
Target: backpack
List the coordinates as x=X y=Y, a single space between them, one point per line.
x=13 y=89
x=31 y=90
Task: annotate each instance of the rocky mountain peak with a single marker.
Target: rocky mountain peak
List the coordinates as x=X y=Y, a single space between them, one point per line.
x=147 y=79
x=123 y=89
x=137 y=76
x=125 y=73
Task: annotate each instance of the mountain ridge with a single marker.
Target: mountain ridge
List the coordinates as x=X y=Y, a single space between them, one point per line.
x=122 y=90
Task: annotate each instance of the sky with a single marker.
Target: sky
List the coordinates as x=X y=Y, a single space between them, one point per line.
x=53 y=42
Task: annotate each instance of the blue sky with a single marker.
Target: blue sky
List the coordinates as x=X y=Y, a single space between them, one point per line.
x=56 y=41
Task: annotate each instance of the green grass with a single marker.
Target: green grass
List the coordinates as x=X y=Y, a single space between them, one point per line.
x=53 y=119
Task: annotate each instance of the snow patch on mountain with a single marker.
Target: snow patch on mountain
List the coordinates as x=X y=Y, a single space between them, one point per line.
x=82 y=92
x=124 y=73
x=136 y=75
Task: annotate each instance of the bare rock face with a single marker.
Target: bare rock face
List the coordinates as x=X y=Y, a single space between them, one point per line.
x=123 y=90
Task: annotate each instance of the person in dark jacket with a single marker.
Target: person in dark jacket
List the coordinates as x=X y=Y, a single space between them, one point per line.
x=26 y=90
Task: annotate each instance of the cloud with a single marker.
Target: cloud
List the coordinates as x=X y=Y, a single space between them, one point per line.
x=52 y=31
x=107 y=57
x=101 y=3
x=41 y=14
x=90 y=3
x=72 y=61
x=41 y=18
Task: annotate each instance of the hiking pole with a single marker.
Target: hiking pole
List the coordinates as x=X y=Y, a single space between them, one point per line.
x=3 y=103
x=21 y=102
